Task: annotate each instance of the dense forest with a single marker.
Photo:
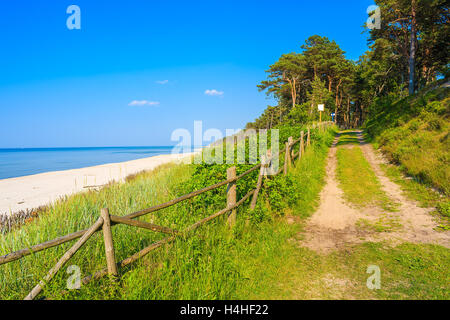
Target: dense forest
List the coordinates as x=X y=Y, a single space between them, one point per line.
x=409 y=51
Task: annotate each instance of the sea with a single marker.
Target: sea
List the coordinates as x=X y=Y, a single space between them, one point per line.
x=28 y=161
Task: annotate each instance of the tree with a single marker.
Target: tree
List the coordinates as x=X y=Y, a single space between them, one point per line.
x=319 y=94
x=417 y=31
x=287 y=72
x=410 y=50
x=323 y=56
x=300 y=81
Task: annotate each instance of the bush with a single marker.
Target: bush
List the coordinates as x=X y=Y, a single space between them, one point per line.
x=444 y=208
x=281 y=193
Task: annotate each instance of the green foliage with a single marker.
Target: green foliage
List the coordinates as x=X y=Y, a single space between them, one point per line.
x=278 y=191
x=281 y=193
x=389 y=58
x=444 y=208
x=320 y=74
x=260 y=213
x=319 y=94
x=204 y=175
x=300 y=114
x=215 y=263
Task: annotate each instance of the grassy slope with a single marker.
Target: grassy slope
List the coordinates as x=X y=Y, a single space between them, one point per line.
x=248 y=263
x=425 y=196
x=216 y=264
x=414 y=133
x=256 y=261
x=80 y=211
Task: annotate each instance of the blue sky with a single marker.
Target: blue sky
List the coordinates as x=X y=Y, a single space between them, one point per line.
x=74 y=88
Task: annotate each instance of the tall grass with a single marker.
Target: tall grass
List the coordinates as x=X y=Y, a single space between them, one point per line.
x=80 y=211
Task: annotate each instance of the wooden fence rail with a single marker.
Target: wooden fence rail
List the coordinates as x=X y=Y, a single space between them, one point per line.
x=106 y=221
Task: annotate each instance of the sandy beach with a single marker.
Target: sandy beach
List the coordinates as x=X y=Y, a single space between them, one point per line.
x=37 y=190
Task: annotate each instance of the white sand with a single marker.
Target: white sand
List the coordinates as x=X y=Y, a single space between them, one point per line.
x=33 y=191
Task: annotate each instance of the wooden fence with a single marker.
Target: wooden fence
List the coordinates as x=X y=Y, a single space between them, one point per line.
x=106 y=220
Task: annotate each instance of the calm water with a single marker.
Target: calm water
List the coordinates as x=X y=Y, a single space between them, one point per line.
x=22 y=162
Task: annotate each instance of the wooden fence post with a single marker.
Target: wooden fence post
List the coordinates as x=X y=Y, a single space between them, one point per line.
x=231 y=196
x=286 y=159
x=301 y=148
x=109 y=246
x=291 y=148
x=308 y=139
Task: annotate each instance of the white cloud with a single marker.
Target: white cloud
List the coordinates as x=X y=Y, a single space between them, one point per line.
x=143 y=103
x=162 y=81
x=214 y=92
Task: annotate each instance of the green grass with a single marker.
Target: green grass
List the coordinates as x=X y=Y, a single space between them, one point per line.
x=358 y=181
x=228 y=265
x=260 y=260
x=80 y=211
x=309 y=178
x=348 y=137
x=408 y=271
x=423 y=194
x=412 y=188
x=414 y=133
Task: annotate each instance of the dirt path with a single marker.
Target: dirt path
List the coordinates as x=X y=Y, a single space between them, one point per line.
x=335 y=224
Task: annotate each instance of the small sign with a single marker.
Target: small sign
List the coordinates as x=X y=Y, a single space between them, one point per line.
x=321 y=107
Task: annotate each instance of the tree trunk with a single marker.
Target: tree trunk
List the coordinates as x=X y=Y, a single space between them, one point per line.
x=335 y=114
x=337 y=101
x=348 y=111
x=292 y=83
x=361 y=115
x=271 y=119
x=294 y=93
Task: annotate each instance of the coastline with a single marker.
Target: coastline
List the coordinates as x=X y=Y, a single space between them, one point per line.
x=33 y=191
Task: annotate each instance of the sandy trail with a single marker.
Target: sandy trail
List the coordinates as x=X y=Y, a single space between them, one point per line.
x=418 y=225
x=334 y=224
x=30 y=192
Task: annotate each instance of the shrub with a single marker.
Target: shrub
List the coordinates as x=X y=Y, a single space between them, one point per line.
x=444 y=208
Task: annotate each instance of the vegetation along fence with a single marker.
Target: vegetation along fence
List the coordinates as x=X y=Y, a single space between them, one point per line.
x=106 y=220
